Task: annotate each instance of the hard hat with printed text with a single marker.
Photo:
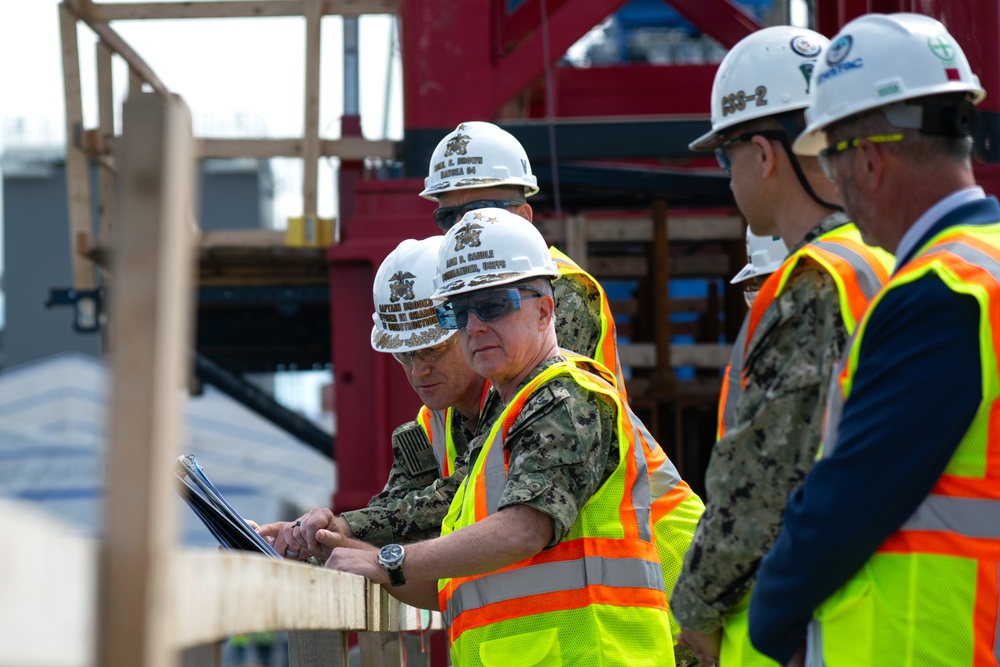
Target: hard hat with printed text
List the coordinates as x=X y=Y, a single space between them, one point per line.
x=478 y=155
x=766 y=74
x=404 y=313
x=490 y=247
x=882 y=60
x=764 y=254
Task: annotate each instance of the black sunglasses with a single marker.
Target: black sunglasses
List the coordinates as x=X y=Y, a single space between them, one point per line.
x=488 y=305
x=447 y=216
x=722 y=156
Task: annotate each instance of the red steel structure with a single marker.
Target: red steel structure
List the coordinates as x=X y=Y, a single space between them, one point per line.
x=474 y=60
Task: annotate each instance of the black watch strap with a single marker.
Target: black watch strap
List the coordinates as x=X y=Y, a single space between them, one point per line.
x=396 y=575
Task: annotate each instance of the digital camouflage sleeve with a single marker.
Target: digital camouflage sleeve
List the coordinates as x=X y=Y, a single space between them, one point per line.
x=768 y=452
x=578 y=315
x=415 y=500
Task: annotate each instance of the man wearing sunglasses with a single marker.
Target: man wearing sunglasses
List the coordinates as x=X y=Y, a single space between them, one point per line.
x=795 y=331
x=430 y=454
x=501 y=178
x=888 y=551
x=547 y=550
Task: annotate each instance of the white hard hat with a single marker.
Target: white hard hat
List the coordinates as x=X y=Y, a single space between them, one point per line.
x=487 y=248
x=405 y=319
x=478 y=155
x=765 y=255
x=878 y=60
x=767 y=73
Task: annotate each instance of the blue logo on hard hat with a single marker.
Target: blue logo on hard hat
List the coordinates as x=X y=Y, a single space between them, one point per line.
x=839 y=50
x=805 y=47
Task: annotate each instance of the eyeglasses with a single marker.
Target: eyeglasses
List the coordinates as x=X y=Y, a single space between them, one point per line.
x=488 y=305
x=447 y=216
x=848 y=144
x=428 y=354
x=726 y=162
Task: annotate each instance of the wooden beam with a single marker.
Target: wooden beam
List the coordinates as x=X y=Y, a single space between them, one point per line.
x=699 y=355
x=661 y=293
x=132 y=11
x=77 y=167
x=345 y=148
x=310 y=143
x=105 y=130
x=151 y=333
x=82 y=9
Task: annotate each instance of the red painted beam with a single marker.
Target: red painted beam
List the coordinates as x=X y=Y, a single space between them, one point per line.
x=727 y=22
x=513 y=27
x=526 y=62
x=635 y=90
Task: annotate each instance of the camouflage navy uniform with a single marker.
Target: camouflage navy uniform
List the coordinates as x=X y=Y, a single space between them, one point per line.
x=416 y=498
x=563 y=446
x=771 y=447
x=578 y=315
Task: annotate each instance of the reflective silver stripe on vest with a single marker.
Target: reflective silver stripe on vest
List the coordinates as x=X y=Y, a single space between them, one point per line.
x=735 y=388
x=664 y=479
x=814 y=644
x=439 y=435
x=641 y=499
x=968 y=517
x=553 y=577
x=868 y=280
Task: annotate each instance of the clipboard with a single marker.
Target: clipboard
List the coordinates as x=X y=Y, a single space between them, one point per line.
x=224 y=522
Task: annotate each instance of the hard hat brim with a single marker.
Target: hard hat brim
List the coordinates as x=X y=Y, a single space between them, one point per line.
x=385 y=341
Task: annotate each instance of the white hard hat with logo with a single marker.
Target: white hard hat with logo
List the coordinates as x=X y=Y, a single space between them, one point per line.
x=490 y=247
x=765 y=255
x=767 y=73
x=478 y=155
x=879 y=60
x=404 y=316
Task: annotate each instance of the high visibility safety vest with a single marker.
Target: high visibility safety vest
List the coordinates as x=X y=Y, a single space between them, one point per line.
x=437 y=425
x=607 y=346
x=596 y=598
x=859 y=271
x=929 y=594
x=674 y=509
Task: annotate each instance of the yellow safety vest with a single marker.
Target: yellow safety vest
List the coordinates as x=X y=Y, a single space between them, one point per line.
x=859 y=271
x=437 y=426
x=929 y=595
x=596 y=598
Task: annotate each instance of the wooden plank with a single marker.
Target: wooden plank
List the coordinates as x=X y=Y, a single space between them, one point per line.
x=577 y=234
x=77 y=169
x=133 y=11
x=310 y=143
x=231 y=594
x=106 y=129
x=681 y=228
x=82 y=10
x=317 y=649
x=346 y=148
x=151 y=330
x=703 y=264
x=699 y=355
x=661 y=297
x=48 y=595
x=381 y=649
x=242 y=238
x=618 y=267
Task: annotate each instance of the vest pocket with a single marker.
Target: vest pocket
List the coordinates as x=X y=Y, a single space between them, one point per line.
x=532 y=649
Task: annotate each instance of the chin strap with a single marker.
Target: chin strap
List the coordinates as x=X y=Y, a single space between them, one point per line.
x=792 y=129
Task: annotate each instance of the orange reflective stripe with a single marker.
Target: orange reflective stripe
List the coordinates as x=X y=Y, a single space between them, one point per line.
x=550 y=602
x=760 y=303
x=941 y=543
x=720 y=422
x=967 y=487
x=666 y=503
x=856 y=300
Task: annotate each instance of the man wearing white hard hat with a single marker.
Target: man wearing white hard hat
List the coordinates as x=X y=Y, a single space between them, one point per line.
x=546 y=555
x=495 y=172
x=888 y=554
x=795 y=331
x=430 y=454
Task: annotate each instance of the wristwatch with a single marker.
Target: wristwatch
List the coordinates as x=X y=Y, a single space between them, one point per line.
x=391 y=558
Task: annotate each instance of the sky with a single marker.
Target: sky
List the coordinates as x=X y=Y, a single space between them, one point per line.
x=240 y=77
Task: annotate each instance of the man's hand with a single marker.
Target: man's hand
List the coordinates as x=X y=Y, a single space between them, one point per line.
x=705 y=647
x=357 y=561
x=330 y=540
x=297 y=539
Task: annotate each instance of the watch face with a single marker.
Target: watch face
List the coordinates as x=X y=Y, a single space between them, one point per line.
x=390 y=553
